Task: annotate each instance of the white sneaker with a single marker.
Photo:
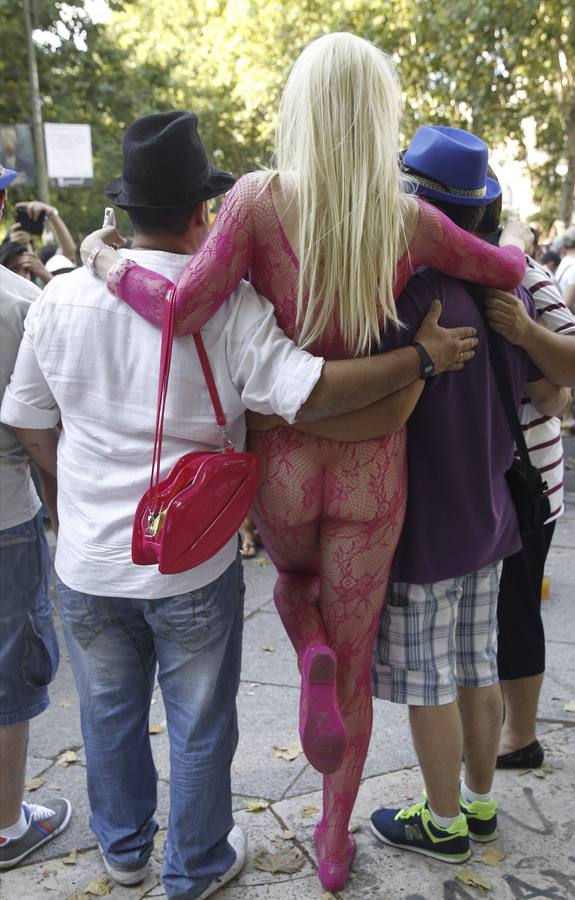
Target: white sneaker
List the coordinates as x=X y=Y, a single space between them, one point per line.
x=239 y=842
x=124 y=876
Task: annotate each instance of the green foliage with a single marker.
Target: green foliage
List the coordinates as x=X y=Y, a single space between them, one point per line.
x=485 y=66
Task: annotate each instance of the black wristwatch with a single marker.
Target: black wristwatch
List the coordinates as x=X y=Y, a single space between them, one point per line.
x=427 y=365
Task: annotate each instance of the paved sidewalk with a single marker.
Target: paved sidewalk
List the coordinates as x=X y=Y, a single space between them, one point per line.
x=537 y=814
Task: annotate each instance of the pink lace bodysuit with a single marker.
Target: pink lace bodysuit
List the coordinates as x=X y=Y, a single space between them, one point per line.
x=329 y=513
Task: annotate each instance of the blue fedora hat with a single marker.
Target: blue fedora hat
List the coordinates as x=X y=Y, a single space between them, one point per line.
x=450 y=164
x=7 y=176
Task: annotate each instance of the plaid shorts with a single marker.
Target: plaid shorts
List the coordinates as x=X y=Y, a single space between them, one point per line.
x=434 y=638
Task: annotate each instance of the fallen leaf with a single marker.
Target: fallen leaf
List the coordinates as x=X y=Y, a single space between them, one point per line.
x=409 y=796
x=541 y=772
x=156 y=728
x=570 y=706
x=77 y=897
x=53 y=787
x=100 y=887
x=32 y=784
x=67 y=758
x=269 y=648
x=289 y=753
x=326 y=896
x=261 y=561
x=255 y=806
x=51 y=883
x=309 y=811
x=288 y=835
x=354 y=826
x=288 y=861
x=467 y=876
x=72 y=859
x=492 y=856
x=159 y=843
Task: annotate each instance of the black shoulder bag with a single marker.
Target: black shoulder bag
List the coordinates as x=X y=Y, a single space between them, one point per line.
x=524 y=480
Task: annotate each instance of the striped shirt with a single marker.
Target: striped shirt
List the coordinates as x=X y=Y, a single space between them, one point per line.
x=543 y=433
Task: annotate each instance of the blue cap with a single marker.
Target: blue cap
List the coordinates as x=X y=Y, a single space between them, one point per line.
x=7 y=176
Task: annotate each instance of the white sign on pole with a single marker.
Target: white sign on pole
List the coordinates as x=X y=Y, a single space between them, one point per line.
x=69 y=154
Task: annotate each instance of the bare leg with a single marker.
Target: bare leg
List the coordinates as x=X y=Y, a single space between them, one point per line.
x=521 y=699
x=13 y=744
x=438 y=741
x=481 y=712
x=249 y=538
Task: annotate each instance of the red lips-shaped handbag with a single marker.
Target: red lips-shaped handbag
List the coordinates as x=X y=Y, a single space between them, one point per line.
x=184 y=520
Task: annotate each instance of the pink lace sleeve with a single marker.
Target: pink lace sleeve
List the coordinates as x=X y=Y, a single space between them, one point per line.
x=210 y=277
x=438 y=242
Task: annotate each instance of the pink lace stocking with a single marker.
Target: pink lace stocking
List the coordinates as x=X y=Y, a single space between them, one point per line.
x=330 y=516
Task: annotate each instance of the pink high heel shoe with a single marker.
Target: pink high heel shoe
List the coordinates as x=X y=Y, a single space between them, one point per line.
x=322 y=729
x=334 y=874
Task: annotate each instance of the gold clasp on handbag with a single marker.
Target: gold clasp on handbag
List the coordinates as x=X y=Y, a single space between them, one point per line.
x=155 y=522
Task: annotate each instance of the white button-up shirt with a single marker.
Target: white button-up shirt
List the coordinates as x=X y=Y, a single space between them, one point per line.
x=90 y=360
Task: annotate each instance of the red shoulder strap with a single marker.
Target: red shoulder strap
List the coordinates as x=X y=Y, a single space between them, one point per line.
x=168 y=323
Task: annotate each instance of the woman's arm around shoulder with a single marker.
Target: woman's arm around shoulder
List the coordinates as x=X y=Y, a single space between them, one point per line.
x=440 y=243
x=214 y=271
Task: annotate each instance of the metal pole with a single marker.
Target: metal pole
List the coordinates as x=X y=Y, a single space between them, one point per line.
x=41 y=168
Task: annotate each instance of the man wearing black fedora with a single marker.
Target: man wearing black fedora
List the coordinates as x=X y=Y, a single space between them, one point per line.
x=92 y=362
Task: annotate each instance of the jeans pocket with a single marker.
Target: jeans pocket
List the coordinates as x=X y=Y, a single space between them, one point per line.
x=41 y=653
x=192 y=620
x=83 y=615
x=20 y=568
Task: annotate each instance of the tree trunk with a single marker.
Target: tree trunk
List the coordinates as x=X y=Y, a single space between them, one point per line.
x=568 y=190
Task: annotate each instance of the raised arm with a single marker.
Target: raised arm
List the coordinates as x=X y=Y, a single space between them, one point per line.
x=438 y=242
x=213 y=273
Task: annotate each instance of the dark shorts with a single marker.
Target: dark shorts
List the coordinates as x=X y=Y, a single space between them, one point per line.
x=521 y=639
x=28 y=643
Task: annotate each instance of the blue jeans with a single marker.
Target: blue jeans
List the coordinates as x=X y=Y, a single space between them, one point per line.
x=114 y=645
x=28 y=643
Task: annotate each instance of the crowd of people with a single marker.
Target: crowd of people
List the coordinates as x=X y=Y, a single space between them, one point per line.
x=353 y=302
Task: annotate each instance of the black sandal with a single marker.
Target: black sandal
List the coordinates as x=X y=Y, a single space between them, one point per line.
x=530 y=757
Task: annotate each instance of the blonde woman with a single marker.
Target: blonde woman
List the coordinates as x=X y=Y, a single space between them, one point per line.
x=330 y=239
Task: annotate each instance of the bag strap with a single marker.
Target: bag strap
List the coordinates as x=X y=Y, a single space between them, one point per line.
x=168 y=324
x=501 y=373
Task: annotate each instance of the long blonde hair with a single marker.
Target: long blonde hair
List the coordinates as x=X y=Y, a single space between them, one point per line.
x=338 y=136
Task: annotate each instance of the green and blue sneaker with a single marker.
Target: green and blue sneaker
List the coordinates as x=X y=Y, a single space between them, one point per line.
x=414 y=829
x=481 y=818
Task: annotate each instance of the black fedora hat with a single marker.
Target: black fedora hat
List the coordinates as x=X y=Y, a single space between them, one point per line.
x=165 y=165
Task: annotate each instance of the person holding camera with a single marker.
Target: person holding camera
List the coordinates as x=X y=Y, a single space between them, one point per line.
x=31 y=215
x=21 y=258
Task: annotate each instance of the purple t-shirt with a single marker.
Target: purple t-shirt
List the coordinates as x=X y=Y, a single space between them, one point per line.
x=460 y=516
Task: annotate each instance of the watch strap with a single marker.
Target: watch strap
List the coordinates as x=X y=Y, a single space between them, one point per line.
x=427 y=369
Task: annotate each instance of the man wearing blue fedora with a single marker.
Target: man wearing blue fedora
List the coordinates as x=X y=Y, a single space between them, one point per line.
x=28 y=642
x=437 y=644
